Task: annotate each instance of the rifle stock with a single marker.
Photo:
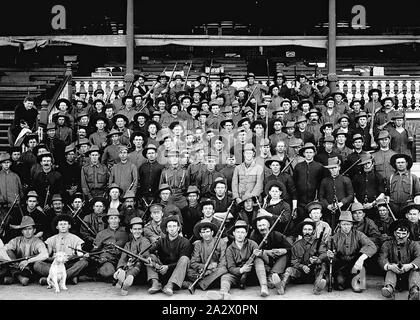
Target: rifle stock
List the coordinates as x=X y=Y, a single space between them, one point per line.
x=135 y=256
x=222 y=227
x=6 y=217
x=5 y=263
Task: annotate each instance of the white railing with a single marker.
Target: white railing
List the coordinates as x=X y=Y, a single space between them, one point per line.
x=90 y=84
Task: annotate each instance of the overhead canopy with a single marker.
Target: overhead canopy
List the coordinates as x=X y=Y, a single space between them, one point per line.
x=29 y=42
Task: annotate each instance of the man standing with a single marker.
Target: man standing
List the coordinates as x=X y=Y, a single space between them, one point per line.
x=94 y=176
x=25 y=115
x=383 y=156
x=207 y=231
x=10 y=185
x=149 y=174
x=351 y=249
x=124 y=173
x=172 y=255
x=400 y=258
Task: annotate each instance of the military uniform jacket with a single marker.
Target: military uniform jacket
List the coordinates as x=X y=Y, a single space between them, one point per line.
x=280 y=208
x=94 y=178
x=369 y=228
x=95 y=223
x=236 y=258
x=247 y=180
x=135 y=246
x=343 y=191
x=409 y=251
x=307 y=177
x=368 y=186
x=152 y=231
x=177 y=178
x=201 y=253
x=403 y=186
x=118 y=236
x=349 y=246
x=302 y=250
x=382 y=165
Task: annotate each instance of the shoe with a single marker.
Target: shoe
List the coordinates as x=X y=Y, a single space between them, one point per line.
x=414 y=293
x=215 y=295
x=280 y=288
x=8 y=280
x=264 y=291
x=127 y=283
x=119 y=275
x=168 y=290
x=156 y=287
x=24 y=281
x=388 y=292
x=319 y=286
x=74 y=280
x=43 y=281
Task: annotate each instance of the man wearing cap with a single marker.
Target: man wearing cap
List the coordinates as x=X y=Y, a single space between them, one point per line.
x=56 y=208
x=314 y=210
x=172 y=254
x=149 y=174
x=363 y=129
x=383 y=156
x=136 y=156
x=308 y=262
x=341 y=148
x=177 y=178
x=307 y=176
x=350 y=250
x=403 y=184
x=400 y=258
x=10 y=185
x=227 y=90
x=368 y=185
x=106 y=263
x=124 y=173
x=28 y=158
x=206 y=232
x=120 y=92
x=152 y=230
x=128 y=268
x=314 y=124
x=130 y=209
x=264 y=155
x=191 y=214
x=55 y=145
x=374 y=104
x=340 y=102
x=304 y=90
x=48 y=179
x=127 y=108
x=302 y=132
x=63 y=241
x=204 y=86
x=276 y=248
x=26 y=245
x=365 y=224
x=352 y=158
x=121 y=125
x=248 y=176
x=221 y=197
x=321 y=90
x=70 y=171
x=207 y=176
x=280 y=81
x=384 y=220
x=336 y=191
x=412 y=213
x=383 y=118
x=64 y=132
x=99 y=137
x=329 y=112
x=110 y=155
x=401 y=138
x=277 y=135
x=238 y=148
x=327 y=152
x=94 y=176
x=82 y=147
x=94 y=221
x=237 y=254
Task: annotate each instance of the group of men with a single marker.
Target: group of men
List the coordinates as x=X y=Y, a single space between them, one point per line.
x=185 y=187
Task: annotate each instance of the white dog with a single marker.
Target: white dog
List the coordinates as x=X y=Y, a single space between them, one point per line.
x=57 y=275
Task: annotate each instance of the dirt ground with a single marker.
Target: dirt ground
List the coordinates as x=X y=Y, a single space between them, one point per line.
x=105 y=291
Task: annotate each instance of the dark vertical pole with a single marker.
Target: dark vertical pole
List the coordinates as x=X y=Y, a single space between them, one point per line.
x=332 y=45
x=129 y=74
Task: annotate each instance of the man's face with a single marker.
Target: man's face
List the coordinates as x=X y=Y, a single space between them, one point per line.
x=334 y=171
x=307 y=231
x=28 y=104
x=70 y=156
x=156 y=215
x=275 y=167
x=31 y=202
x=249 y=204
x=228 y=127
x=151 y=155
x=123 y=155
x=81 y=133
x=401 y=164
x=208 y=211
x=109 y=112
x=375 y=96
x=358 y=215
x=174 y=110
x=51 y=133
x=192 y=198
x=114 y=221
x=58 y=205
x=98 y=207
x=114 y=193
x=259 y=129
x=206 y=234
x=165 y=194
x=346 y=226
x=32 y=143
x=136 y=230
x=315 y=215
x=94 y=157
x=277 y=126
x=302 y=125
x=211 y=164
x=60 y=121
x=120 y=122
x=344 y=123
x=368 y=165
x=328 y=146
x=412 y=215
x=338 y=97
x=129 y=203
x=174 y=160
x=83 y=148
x=46 y=163
x=246 y=125
x=63 y=226
x=290 y=130
x=263 y=226
x=28 y=232
x=280 y=147
x=161 y=105
x=275 y=91
x=341 y=138
x=309 y=154
x=248 y=155
x=15 y=155
x=357 y=106
x=384 y=143
x=172 y=228
x=313 y=117
x=286 y=106
x=220 y=189
x=230 y=161
x=77 y=203
x=358 y=144
x=6 y=164
x=275 y=193
x=401 y=235
x=218 y=145
x=399 y=122
x=240 y=234
x=383 y=212
x=330 y=104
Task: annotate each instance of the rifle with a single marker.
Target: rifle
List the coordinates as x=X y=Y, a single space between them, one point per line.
x=75 y=213
x=222 y=227
x=46 y=197
x=390 y=211
x=318 y=243
x=356 y=162
x=170 y=79
x=5 y=263
x=90 y=253
x=287 y=165
x=250 y=96
x=330 y=277
x=93 y=233
x=186 y=78
x=268 y=72
x=373 y=144
x=137 y=257
x=6 y=217
x=251 y=259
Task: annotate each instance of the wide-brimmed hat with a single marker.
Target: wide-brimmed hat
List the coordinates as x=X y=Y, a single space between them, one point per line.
x=79 y=142
x=62 y=217
x=340 y=93
x=104 y=201
x=341 y=131
x=250 y=75
x=66 y=101
x=169 y=218
x=60 y=114
x=150 y=146
x=329 y=98
x=327 y=138
x=202 y=75
x=387 y=98
x=398 y=115
x=262 y=215
x=410 y=205
x=138 y=114
x=401 y=155
x=333 y=162
x=192 y=189
x=346 y=216
x=56 y=197
x=207 y=201
x=223 y=123
x=397 y=224
x=204 y=224
x=44 y=154
x=275 y=183
x=383 y=134
x=313 y=205
x=27 y=221
x=357 y=136
x=32 y=193
x=311 y=111
x=301 y=119
x=375 y=90
x=129 y=194
x=360 y=115
x=240 y=224
x=226 y=76
x=295 y=142
x=240 y=122
x=136 y=220
x=307 y=145
x=111 y=212
x=164 y=186
x=113 y=186
x=261 y=122
x=305 y=222
x=311 y=105
x=119 y=115
x=69 y=148
x=93 y=149
x=343 y=116
x=114 y=131
x=4 y=157
x=326 y=124
x=274 y=158
x=162 y=75
x=361 y=101
x=365 y=157
x=98 y=91
x=356 y=206
x=289 y=124
x=218 y=180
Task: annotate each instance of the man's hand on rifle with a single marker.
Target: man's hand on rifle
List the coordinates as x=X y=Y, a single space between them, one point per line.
x=257 y=252
x=407 y=267
x=306 y=269
x=330 y=254
x=212 y=265
x=245 y=268
x=163 y=269
x=46 y=207
x=23 y=264
x=368 y=205
x=394 y=268
x=314 y=260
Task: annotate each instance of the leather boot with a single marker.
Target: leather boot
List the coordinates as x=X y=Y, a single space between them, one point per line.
x=156 y=287
x=282 y=285
x=264 y=291
x=320 y=282
x=388 y=291
x=414 y=293
x=168 y=289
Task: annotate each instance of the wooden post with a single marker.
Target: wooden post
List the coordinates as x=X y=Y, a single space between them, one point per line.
x=331 y=54
x=129 y=74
